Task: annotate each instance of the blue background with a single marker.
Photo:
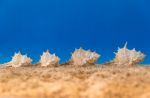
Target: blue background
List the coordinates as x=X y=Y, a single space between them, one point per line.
x=33 y=26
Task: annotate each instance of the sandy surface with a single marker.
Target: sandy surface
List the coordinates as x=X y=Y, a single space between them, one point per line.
x=75 y=82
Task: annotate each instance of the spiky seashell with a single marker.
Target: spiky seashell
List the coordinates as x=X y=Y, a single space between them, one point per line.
x=48 y=59
x=19 y=60
x=82 y=57
x=125 y=56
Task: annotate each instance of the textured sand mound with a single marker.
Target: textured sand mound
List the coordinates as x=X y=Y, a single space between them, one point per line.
x=75 y=82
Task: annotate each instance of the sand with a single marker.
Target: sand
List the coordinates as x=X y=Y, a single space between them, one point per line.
x=75 y=82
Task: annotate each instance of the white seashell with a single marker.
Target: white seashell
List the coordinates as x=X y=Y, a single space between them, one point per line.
x=125 y=56
x=48 y=59
x=19 y=60
x=81 y=57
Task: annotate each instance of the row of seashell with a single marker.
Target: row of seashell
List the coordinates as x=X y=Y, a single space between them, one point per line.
x=79 y=57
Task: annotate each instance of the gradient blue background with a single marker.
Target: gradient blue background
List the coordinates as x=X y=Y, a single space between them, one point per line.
x=33 y=26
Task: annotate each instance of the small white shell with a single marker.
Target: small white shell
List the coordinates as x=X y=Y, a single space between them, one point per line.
x=19 y=60
x=125 y=56
x=81 y=57
x=48 y=59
